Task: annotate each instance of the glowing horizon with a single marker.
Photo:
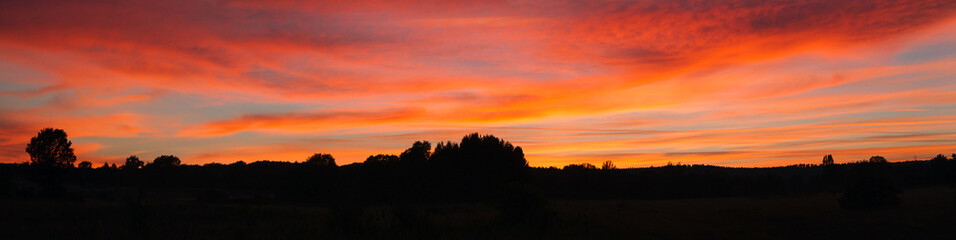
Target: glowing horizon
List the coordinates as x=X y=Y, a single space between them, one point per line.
x=732 y=83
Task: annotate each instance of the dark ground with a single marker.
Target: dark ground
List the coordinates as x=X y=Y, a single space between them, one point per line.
x=925 y=213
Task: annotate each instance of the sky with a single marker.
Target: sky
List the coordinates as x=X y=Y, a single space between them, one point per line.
x=737 y=83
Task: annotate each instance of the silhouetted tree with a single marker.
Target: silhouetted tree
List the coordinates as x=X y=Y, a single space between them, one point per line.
x=85 y=165
x=877 y=159
x=381 y=160
x=321 y=159
x=445 y=152
x=827 y=160
x=105 y=166
x=939 y=159
x=579 y=166
x=164 y=161
x=481 y=154
x=133 y=162
x=671 y=164
x=608 y=165
x=50 y=148
x=479 y=166
x=213 y=164
x=416 y=155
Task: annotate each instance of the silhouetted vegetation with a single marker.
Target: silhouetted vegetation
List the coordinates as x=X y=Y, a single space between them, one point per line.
x=381 y=160
x=416 y=155
x=133 y=162
x=580 y=166
x=482 y=168
x=877 y=160
x=399 y=193
x=827 y=160
x=50 y=148
x=608 y=165
x=164 y=161
x=321 y=160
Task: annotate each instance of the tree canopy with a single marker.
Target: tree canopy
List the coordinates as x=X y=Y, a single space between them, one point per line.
x=481 y=155
x=416 y=155
x=85 y=165
x=164 y=161
x=381 y=160
x=877 y=159
x=133 y=162
x=322 y=160
x=581 y=166
x=828 y=160
x=50 y=148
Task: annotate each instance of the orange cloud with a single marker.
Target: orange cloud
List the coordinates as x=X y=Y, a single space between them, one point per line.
x=724 y=82
x=302 y=122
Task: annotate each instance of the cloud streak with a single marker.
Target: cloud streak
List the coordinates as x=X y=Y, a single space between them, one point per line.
x=639 y=82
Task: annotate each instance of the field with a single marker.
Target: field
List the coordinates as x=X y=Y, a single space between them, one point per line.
x=925 y=213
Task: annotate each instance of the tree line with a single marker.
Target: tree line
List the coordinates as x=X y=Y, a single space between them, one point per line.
x=478 y=168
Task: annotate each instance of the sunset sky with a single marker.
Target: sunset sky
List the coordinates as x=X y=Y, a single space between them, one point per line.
x=731 y=83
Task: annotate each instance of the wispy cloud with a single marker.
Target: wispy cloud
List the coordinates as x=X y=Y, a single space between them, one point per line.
x=731 y=82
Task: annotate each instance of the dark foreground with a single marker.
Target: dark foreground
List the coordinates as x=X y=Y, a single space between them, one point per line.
x=481 y=188
x=925 y=213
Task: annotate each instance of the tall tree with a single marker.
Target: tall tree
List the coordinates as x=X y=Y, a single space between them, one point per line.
x=50 y=148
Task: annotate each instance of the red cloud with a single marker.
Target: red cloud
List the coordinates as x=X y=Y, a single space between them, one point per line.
x=475 y=62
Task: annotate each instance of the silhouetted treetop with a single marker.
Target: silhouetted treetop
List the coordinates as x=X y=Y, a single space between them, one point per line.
x=133 y=162
x=416 y=155
x=480 y=155
x=321 y=160
x=608 y=165
x=828 y=160
x=939 y=158
x=164 y=161
x=877 y=159
x=50 y=148
x=85 y=165
x=381 y=160
x=444 y=152
x=581 y=166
